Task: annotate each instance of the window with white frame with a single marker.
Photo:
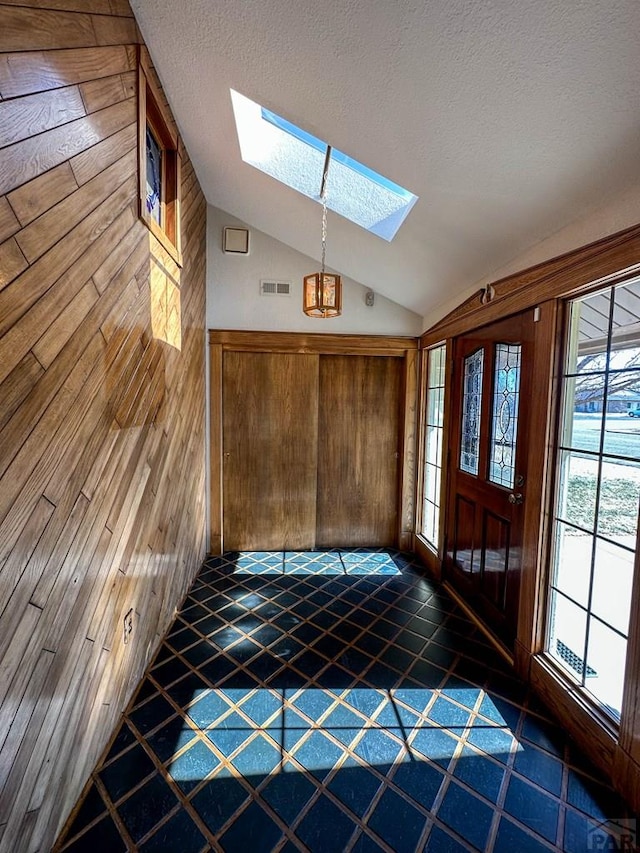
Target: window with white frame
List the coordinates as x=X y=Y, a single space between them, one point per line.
x=434 y=429
x=595 y=528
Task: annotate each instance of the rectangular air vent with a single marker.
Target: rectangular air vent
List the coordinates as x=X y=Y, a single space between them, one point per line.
x=271 y=287
x=573 y=660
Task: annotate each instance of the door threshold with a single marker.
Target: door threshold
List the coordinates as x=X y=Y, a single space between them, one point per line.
x=493 y=639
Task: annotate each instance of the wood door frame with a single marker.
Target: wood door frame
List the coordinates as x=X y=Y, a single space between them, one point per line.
x=547 y=352
x=221 y=341
x=609 y=261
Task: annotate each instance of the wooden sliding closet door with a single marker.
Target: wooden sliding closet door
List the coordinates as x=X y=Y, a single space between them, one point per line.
x=270 y=430
x=358 y=450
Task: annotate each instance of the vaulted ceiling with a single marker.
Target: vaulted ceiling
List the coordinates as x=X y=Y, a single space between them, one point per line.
x=508 y=118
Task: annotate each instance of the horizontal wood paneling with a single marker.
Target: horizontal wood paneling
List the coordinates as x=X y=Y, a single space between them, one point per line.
x=25 y=117
x=24 y=28
x=114 y=30
x=27 y=290
x=12 y=262
x=48 y=229
x=40 y=71
x=91 y=162
x=97 y=94
x=25 y=160
x=8 y=222
x=102 y=7
x=42 y=193
x=98 y=415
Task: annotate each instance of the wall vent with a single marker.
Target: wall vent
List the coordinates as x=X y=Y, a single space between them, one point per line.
x=271 y=287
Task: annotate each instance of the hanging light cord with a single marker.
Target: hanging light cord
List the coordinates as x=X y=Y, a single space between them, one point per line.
x=323 y=198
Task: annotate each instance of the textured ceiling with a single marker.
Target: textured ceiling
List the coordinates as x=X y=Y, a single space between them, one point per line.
x=508 y=119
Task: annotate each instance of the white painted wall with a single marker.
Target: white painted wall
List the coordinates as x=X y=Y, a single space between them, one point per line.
x=234 y=300
x=618 y=213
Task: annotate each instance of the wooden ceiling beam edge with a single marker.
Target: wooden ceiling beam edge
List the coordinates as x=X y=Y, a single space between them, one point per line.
x=303 y=342
x=605 y=261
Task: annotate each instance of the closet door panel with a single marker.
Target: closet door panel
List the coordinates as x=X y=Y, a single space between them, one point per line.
x=358 y=443
x=270 y=437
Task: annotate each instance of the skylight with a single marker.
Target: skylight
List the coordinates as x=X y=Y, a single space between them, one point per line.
x=296 y=158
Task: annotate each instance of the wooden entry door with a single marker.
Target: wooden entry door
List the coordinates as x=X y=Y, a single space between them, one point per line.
x=358 y=451
x=270 y=426
x=492 y=387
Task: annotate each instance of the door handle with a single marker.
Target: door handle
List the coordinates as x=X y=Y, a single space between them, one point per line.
x=515 y=498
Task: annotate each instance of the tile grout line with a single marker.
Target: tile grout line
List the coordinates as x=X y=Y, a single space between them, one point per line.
x=378 y=603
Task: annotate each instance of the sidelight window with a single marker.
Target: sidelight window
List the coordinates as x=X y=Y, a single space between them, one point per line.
x=598 y=491
x=434 y=433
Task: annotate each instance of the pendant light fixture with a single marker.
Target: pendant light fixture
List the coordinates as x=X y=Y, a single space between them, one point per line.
x=322 y=291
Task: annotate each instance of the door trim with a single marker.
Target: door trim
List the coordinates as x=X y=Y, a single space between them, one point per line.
x=221 y=340
x=304 y=342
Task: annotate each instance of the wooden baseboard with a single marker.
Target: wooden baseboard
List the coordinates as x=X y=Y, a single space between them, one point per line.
x=428 y=557
x=590 y=730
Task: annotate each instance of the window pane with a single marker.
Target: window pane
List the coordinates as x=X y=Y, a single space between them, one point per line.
x=432 y=483
x=471 y=408
x=619 y=499
x=504 y=422
x=437 y=364
x=612 y=579
x=626 y=311
x=435 y=403
x=429 y=524
x=434 y=445
x=605 y=665
x=583 y=416
x=578 y=489
x=572 y=571
x=622 y=432
x=590 y=327
x=154 y=176
x=567 y=634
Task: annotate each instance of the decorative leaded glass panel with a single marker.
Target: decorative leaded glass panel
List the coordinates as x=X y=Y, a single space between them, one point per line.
x=504 y=420
x=471 y=410
x=154 y=176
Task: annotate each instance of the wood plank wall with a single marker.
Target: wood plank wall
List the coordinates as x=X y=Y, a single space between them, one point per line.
x=102 y=466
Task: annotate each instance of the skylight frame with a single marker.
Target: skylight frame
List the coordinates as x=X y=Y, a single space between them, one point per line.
x=295 y=157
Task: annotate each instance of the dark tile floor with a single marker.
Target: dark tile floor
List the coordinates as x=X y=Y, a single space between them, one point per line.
x=335 y=701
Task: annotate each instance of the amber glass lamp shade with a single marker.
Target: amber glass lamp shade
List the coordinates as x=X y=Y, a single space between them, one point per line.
x=322 y=295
